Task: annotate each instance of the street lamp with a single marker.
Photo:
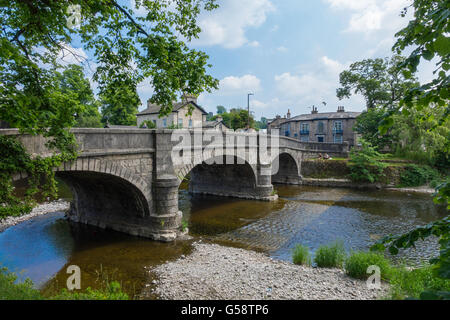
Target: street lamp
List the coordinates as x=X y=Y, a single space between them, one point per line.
x=248 y=110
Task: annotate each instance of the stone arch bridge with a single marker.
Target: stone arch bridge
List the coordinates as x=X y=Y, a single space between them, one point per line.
x=127 y=179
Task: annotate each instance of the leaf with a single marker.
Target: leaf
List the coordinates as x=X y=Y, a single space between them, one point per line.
x=442 y=45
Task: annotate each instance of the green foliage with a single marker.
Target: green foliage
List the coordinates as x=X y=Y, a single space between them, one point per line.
x=425 y=37
x=379 y=81
x=120 y=102
x=221 y=110
x=364 y=163
x=72 y=81
x=357 y=263
x=426 y=142
x=184 y=225
x=237 y=119
x=439 y=228
x=301 y=255
x=414 y=175
x=330 y=256
x=150 y=124
x=367 y=125
x=405 y=283
x=15 y=160
x=112 y=292
x=9 y=290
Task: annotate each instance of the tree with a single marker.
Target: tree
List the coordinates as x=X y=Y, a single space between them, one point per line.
x=72 y=80
x=126 y=49
x=380 y=81
x=236 y=119
x=367 y=125
x=221 y=109
x=120 y=103
x=427 y=34
x=262 y=124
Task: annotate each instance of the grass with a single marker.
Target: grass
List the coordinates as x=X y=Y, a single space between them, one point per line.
x=330 y=256
x=301 y=255
x=11 y=290
x=411 y=283
x=357 y=263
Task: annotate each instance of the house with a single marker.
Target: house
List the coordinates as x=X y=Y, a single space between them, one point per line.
x=217 y=124
x=330 y=127
x=179 y=116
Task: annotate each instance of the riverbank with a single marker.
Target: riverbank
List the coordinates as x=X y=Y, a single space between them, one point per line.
x=46 y=207
x=347 y=183
x=217 y=272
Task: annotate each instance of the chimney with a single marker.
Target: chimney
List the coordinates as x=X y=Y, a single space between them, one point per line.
x=314 y=110
x=278 y=116
x=341 y=109
x=189 y=97
x=288 y=114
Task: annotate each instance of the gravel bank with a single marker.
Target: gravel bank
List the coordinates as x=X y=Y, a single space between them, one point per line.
x=47 y=207
x=217 y=272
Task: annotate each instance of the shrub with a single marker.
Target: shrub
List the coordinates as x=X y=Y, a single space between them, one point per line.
x=357 y=263
x=412 y=283
x=301 y=255
x=332 y=256
x=112 y=292
x=149 y=123
x=414 y=175
x=9 y=290
x=364 y=163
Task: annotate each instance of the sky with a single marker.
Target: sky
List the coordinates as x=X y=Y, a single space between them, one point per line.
x=289 y=53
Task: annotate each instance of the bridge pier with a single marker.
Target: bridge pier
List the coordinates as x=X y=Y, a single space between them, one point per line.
x=166 y=217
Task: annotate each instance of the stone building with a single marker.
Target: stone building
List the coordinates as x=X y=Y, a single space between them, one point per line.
x=330 y=127
x=179 y=116
x=217 y=124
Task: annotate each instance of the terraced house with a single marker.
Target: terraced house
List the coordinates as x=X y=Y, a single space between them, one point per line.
x=330 y=127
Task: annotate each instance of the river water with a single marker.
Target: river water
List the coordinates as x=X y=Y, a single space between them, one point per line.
x=43 y=247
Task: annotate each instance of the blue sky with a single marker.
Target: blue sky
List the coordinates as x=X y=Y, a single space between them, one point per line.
x=289 y=53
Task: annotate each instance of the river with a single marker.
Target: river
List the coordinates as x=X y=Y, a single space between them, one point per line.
x=43 y=247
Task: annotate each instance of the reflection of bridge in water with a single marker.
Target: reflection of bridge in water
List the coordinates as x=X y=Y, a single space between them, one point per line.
x=128 y=179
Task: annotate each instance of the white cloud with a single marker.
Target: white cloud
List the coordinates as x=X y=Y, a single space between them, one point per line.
x=282 y=49
x=226 y=26
x=316 y=83
x=371 y=15
x=239 y=85
x=254 y=44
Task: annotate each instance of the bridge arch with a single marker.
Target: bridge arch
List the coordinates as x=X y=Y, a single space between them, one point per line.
x=228 y=176
x=286 y=168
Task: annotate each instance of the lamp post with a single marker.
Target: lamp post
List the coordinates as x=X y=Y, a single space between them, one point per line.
x=248 y=110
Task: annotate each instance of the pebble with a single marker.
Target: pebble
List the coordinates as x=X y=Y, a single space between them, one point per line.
x=260 y=277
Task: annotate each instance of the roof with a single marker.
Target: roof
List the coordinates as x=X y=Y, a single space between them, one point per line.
x=154 y=108
x=213 y=124
x=325 y=116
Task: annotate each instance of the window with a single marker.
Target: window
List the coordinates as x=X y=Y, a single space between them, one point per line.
x=320 y=128
x=180 y=123
x=190 y=123
x=304 y=138
x=304 y=127
x=338 y=138
x=320 y=139
x=338 y=125
x=164 y=122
